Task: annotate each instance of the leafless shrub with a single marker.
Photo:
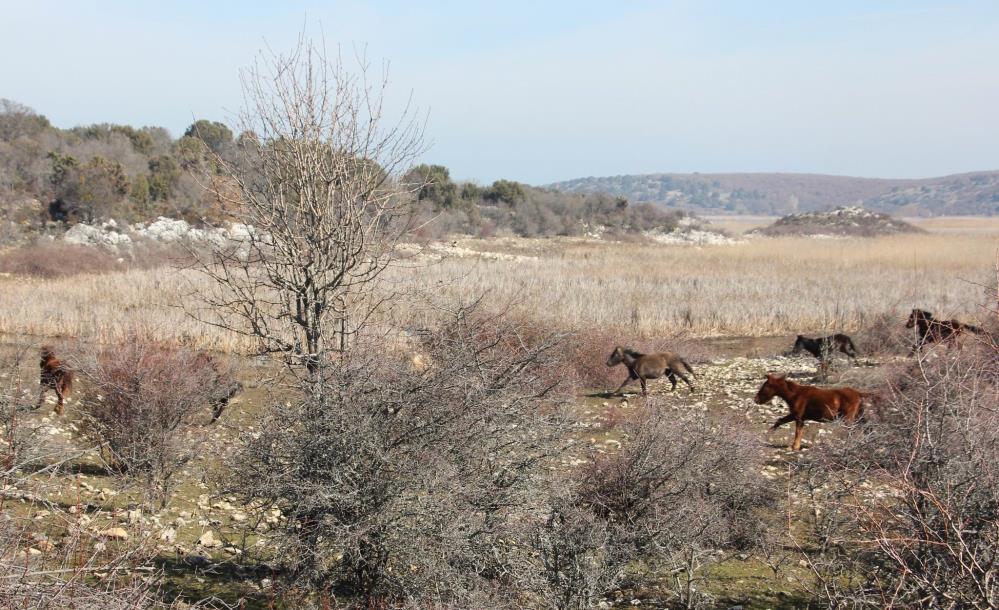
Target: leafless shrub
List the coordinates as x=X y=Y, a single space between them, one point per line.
x=884 y=334
x=146 y=404
x=77 y=570
x=18 y=438
x=915 y=500
x=577 y=559
x=398 y=484
x=684 y=493
x=55 y=259
x=58 y=563
x=58 y=259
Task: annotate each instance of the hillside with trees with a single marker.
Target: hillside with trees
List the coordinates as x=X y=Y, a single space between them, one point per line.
x=107 y=171
x=508 y=207
x=973 y=193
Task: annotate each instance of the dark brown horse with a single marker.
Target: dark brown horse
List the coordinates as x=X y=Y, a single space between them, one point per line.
x=808 y=402
x=823 y=347
x=224 y=385
x=932 y=330
x=651 y=366
x=54 y=376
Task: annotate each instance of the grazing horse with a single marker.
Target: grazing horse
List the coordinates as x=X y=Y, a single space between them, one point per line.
x=225 y=387
x=823 y=347
x=651 y=366
x=808 y=402
x=932 y=330
x=54 y=376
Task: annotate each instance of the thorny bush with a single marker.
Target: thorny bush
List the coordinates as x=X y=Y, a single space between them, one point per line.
x=147 y=404
x=401 y=483
x=907 y=514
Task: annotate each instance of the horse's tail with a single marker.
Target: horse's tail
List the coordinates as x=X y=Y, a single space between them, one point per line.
x=689 y=368
x=851 y=348
x=978 y=330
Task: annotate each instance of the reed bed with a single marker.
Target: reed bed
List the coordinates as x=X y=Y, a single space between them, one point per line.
x=756 y=288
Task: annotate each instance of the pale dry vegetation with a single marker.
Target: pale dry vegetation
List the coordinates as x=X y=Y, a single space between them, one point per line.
x=760 y=287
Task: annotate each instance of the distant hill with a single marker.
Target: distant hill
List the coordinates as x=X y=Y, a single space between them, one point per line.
x=960 y=194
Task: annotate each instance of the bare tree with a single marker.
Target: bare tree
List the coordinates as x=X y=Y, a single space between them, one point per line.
x=315 y=184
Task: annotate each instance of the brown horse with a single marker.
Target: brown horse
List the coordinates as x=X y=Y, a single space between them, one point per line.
x=932 y=330
x=651 y=366
x=224 y=386
x=54 y=376
x=808 y=402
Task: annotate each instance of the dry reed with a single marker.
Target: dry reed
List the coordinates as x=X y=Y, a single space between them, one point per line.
x=638 y=290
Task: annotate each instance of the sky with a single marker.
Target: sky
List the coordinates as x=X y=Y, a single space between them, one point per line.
x=540 y=91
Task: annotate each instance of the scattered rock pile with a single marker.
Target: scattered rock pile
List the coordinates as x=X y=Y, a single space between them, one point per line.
x=692 y=231
x=114 y=237
x=847 y=221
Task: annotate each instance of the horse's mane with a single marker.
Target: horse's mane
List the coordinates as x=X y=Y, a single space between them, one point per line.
x=632 y=353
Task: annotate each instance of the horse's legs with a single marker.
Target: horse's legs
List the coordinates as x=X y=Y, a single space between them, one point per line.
x=685 y=380
x=641 y=380
x=623 y=383
x=799 y=429
x=823 y=369
x=780 y=422
x=672 y=380
x=41 y=396
x=59 y=394
x=218 y=407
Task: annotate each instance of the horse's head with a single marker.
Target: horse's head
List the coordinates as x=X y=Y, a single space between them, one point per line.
x=769 y=388
x=616 y=357
x=47 y=352
x=916 y=316
x=799 y=345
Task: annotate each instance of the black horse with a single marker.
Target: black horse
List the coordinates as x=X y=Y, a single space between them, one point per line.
x=823 y=347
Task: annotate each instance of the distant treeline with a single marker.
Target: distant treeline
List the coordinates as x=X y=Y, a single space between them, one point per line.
x=511 y=207
x=103 y=171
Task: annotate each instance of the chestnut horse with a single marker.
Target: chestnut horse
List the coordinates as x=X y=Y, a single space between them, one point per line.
x=224 y=386
x=808 y=402
x=651 y=366
x=932 y=330
x=54 y=376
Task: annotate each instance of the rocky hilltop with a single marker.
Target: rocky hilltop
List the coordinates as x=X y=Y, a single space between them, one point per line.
x=847 y=221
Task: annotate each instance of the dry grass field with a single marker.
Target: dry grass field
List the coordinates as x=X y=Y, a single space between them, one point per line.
x=756 y=288
x=746 y=295
x=976 y=225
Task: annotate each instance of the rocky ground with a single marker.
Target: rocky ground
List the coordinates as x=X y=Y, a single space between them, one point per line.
x=729 y=384
x=199 y=538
